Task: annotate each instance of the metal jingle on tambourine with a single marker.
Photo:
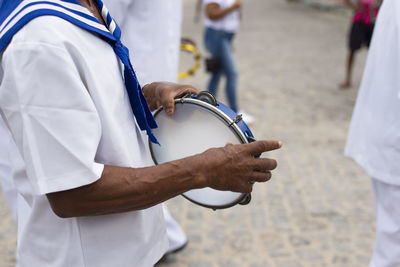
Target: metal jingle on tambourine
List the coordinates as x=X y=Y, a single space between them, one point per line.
x=246 y=200
x=207 y=97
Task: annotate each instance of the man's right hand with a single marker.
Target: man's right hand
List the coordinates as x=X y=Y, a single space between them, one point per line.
x=235 y=167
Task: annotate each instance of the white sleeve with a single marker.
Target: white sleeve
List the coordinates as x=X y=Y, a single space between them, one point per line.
x=51 y=116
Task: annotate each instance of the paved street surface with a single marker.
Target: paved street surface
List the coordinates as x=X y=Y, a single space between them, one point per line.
x=317 y=210
x=323 y=4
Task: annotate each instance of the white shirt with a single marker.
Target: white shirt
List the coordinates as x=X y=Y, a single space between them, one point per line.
x=229 y=22
x=151 y=30
x=63 y=98
x=374 y=136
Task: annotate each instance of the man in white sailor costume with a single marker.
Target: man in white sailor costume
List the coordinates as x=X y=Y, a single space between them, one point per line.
x=155 y=39
x=80 y=122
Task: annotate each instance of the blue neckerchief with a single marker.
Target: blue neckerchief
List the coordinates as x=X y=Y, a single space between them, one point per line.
x=14 y=14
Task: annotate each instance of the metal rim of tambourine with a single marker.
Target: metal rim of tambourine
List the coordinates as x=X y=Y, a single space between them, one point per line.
x=243 y=199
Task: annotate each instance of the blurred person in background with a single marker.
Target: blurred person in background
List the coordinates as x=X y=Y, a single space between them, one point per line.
x=221 y=20
x=6 y=182
x=374 y=136
x=362 y=27
x=152 y=31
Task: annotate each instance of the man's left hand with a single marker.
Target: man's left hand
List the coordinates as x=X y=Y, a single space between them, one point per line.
x=163 y=94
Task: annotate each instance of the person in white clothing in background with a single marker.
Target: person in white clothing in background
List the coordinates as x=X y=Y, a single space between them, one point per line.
x=374 y=136
x=152 y=32
x=6 y=182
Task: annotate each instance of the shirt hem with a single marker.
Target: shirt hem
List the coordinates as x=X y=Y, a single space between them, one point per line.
x=374 y=174
x=156 y=253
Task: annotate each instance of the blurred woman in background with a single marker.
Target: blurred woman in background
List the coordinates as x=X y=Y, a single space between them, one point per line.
x=222 y=19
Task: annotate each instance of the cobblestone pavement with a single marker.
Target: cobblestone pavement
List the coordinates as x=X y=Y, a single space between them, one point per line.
x=322 y=4
x=325 y=4
x=317 y=210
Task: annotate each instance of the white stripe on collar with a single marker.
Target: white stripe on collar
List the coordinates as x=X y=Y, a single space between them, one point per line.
x=34 y=7
x=104 y=13
x=112 y=26
x=24 y=3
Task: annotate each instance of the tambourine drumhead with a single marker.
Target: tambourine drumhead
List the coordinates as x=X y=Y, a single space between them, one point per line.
x=195 y=127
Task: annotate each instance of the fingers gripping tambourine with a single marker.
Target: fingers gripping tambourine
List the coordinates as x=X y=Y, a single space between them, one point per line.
x=189 y=46
x=199 y=123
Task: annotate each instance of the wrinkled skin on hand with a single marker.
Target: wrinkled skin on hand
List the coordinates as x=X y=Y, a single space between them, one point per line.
x=235 y=168
x=163 y=94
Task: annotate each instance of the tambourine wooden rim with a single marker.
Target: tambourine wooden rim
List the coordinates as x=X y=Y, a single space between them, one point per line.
x=244 y=135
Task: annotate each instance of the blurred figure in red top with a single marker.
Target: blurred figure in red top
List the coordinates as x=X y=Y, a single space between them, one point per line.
x=362 y=26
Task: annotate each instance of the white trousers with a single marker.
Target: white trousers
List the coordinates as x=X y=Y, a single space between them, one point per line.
x=387 y=208
x=176 y=237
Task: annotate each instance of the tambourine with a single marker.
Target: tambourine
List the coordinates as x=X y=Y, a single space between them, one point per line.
x=199 y=123
x=189 y=46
